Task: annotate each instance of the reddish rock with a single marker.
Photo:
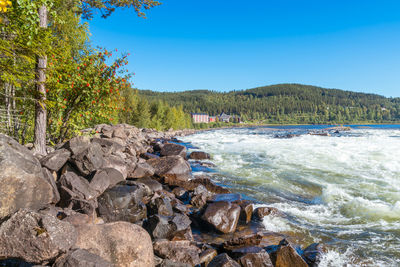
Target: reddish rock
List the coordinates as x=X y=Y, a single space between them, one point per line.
x=199 y=155
x=171 y=149
x=246 y=210
x=286 y=256
x=223 y=260
x=178 y=251
x=223 y=216
x=260 y=213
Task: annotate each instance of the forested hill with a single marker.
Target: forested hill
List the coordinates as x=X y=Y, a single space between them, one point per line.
x=287 y=103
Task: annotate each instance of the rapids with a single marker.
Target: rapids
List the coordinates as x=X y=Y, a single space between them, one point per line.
x=342 y=190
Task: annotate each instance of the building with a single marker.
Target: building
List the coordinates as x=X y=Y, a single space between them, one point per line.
x=212 y=119
x=200 y=117
x=224 y=117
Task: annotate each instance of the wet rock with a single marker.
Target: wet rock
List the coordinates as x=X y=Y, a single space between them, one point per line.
x=313 y=254
x=223 y=260
x=183 y=235
x=171 y=168
x=121 y=243
x=260 y=213
x=160 y=227
x=225 y=197
x=199 y=155
x=171 y=149
x=223 y=216
x=141 y=170
x=210 y=186
x=22 y=183
x=35 y=237
x=207 y=256
x=181 y=193
x=89 y=159
x=286 y=256
x=81 y=258
x=123 y=203
x=178 y=251
x=105 y=178
x=252 y=256
x=243 y=239
x=56 y=160
x=246 y=210
x=181 y=222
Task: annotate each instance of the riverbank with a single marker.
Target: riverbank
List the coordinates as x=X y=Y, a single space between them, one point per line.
x=128 y=197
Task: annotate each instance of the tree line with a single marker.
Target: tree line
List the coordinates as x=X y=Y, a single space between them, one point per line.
x=54 y=83
x=288 y=103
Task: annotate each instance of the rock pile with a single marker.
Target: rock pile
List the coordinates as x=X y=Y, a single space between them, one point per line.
x=124 y=196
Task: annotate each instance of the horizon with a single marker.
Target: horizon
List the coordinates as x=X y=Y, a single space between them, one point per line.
x=184 y=45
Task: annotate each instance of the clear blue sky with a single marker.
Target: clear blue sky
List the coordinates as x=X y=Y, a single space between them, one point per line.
x=232 y=45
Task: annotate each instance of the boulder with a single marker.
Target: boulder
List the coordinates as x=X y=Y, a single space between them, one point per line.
x=77 y=144
x=160 y=204
x=51 y=180
x=35 y=237
x=243 y=239
x=123 y=203
x=116 y=162
x=171 y=168
x=160 y=227
x=108 y=146
x=56 y=160
x=313 y=254
x=252 y=256
x=207 y=256
x=121 y=243
x=81 y=258
x=88 y=159
x=171 y=149
x=286 y=256
x=141 y=170
x=22 y=183
x=177 y=251
x=119 y=132
x=199 y=155
x=246 y=210
x=223 y=260
x=105 y=178
x=223 y=216
x=261 y=212
x=154 y=185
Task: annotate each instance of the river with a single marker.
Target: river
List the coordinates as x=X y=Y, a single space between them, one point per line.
x=342 y=190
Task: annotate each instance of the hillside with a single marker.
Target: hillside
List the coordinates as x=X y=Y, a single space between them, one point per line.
x=287 y=103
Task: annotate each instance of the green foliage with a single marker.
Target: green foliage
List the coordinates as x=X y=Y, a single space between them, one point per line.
x=288 y=104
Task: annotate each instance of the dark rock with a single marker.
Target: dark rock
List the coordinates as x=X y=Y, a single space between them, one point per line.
x=260 y=213
x=171 y=168
x=35 y=237
x=246 y=210
x=78 y=185
x=169 y=263
x=121 y=243
x=183 y=235
x=171 y=149
x=81 y=258
x=223 y=216
x=255 y=259
x=243 y=239
x=22 y=183
x=105 y=178
x=286 y=256
x=56 y=160
x=89 y=159
x=181 y=221
x=225 y=197
x=117 y=163
x=160 y=227
x=154 y=185
x=108 y=146
x=180 y=193
x=123 y=203
x=199 y=155
x=194 y=183
x=141 y=170
x=223 y=260
x=51 y=180
x=160 y=204
x=178 y=251
x=313 y=254
x=149 y=156
x=207 y=256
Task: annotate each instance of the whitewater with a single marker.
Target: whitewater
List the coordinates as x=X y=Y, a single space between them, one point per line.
x=342 y=190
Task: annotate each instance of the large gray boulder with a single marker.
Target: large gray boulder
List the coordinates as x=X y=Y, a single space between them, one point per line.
x=223 y=216
x=22 y=183
x=88 y=159
x=121 y=243
x=35 y=237
x=55 y=161
x=171 y=149
x=171 y=168
x=81 y=258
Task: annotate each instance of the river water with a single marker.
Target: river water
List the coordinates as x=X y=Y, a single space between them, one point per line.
x=342 y=190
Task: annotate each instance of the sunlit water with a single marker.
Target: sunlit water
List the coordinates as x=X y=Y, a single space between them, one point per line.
x=342 y=190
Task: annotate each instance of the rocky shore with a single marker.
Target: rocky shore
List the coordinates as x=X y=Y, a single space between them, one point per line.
x=123 y=196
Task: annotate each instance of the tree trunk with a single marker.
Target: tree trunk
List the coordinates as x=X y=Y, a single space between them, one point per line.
x=40 y=106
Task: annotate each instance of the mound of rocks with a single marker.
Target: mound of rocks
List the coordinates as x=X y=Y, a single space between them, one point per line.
x=122 y=196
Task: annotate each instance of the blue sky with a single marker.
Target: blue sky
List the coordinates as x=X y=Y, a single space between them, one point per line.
x=232 y=45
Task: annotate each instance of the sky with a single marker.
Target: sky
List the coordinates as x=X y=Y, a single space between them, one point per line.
x=225 y=45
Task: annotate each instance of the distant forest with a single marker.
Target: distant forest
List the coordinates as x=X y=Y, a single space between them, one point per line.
x=286 y=103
